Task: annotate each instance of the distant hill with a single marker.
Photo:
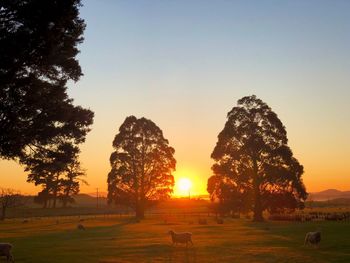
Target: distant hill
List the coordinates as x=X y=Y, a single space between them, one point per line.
x=329 y=194
x=86 y=200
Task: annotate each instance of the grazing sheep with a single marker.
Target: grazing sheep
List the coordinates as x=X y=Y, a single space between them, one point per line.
x=5 y=250
x=80 y=227
x=184 y=237
x=312 y=238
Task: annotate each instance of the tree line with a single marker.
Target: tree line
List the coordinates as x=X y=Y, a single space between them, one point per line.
x=254 y=169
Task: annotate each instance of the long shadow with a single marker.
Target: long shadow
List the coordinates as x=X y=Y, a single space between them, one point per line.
x=157 y=252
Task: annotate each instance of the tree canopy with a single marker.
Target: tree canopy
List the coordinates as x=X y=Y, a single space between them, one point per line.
x=142 y=165
x=38 y=43
x=253 y=162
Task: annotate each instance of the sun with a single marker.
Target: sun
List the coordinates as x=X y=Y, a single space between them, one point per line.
x=184 y=185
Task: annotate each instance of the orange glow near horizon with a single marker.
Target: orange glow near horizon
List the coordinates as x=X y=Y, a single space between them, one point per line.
x=13 y=176
x=184 y=186
x=188 y=182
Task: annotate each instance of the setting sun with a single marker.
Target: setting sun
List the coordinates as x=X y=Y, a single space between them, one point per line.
x=184 y=185
x=188 y=181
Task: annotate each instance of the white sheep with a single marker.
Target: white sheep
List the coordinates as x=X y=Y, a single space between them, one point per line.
x=312 y=238
x=184 y=237
x=5 y=250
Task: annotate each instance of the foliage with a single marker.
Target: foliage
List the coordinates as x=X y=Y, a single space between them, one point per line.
x=227 y=198
x=38 y=43
x=253 y=163
x=70 y=185
x=57 y=170
x=142 y=165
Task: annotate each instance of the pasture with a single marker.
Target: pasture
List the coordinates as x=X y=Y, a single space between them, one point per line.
x=121 y=239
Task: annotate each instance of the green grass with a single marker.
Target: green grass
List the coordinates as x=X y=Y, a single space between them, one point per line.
x=115 y=239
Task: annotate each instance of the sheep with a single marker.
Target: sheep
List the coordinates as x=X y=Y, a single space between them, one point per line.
x=183 y=237
x=80 y=227
x=312 y=238
x=5 y=250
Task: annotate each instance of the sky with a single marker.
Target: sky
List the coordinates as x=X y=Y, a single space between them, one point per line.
x=184 y=64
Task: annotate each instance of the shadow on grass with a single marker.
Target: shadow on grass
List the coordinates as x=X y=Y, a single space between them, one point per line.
x=154 y=253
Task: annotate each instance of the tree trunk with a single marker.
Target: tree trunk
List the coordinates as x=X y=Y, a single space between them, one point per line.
x=258 y=217
x=140 y=211
x=3 y=213
x=65 y=201
x=56 y=186
x=54 y=200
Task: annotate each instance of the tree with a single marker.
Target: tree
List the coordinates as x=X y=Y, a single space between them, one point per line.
x=71 y=183
x=38 y=43
x=253 y=160
x=57 y=170
x=9 y=198
x=142 y=165
x=43 y=197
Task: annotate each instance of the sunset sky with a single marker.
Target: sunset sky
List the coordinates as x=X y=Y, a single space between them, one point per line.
x=184 y=64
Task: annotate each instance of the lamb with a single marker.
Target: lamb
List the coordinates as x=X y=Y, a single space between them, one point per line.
x=80 y=227
x=312 y=238
x=184 y=237
x=5 y=250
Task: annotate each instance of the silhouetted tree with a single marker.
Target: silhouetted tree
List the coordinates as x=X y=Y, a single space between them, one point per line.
x=44 y=196
x=9 y=198
x=38 y=43
x=142 y=165
x=253 y=160
x=70 y=184
x=52 y=168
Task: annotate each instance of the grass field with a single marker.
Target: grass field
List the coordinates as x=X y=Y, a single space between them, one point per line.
x=115 y=239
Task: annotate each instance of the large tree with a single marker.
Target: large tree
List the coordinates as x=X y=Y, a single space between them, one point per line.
x=253 y=160
x=142 y=165
x=38 y=43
